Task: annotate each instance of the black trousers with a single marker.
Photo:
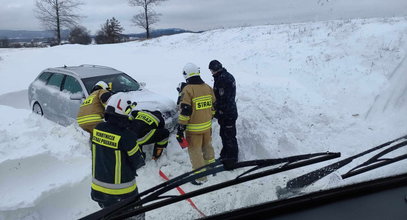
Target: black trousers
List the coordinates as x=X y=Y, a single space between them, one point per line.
x=230 y=148
x=106 y=200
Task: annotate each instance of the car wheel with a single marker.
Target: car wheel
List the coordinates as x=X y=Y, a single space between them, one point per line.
x=37 y=109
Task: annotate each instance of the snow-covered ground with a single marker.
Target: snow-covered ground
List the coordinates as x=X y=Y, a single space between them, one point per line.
x=301 y=88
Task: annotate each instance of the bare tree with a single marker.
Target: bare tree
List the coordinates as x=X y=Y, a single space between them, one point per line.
x=56 y=14
x=148 y=16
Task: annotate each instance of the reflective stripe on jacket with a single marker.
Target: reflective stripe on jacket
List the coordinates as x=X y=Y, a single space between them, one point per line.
x=201 y=99
x=115 y=158
x=92 y=109
x=146 y=122
x=89 y=119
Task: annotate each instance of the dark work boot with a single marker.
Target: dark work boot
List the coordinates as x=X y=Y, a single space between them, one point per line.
x=229 y=163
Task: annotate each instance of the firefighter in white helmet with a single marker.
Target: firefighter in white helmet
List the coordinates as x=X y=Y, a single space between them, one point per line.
x=92 y=109
x=195 y=118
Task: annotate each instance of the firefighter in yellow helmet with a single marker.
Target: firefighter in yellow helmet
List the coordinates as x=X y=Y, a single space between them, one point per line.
x=91 y=111
x=195 y=118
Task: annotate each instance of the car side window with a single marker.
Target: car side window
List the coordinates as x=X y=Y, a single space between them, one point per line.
x=55 y=80
x=71 y=85
x=44 y=76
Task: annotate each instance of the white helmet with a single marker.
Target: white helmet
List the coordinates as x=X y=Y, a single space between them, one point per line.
x=120 y=104
x=101 y=84
x=190 y=70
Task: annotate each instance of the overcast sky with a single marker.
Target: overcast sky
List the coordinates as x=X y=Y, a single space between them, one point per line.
x=208 y=14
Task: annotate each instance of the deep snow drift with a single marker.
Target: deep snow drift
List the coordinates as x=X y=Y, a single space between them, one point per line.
x=301 y=88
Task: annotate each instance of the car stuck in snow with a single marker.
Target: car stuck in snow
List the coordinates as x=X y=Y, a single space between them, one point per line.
x=57 y=93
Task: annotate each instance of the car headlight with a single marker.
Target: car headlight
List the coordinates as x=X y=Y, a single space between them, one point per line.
x=168 y=114
x=170 y=118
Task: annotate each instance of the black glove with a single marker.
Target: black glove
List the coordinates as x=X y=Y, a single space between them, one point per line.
x=180 y=133
x=181 y=85
x=216 y=115
x=133 y=115
x=157 y=152
x=180 y=136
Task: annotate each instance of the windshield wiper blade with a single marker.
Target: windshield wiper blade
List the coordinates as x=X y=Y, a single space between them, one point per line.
x=122 y=209
x=296 y=184
x=130 y=202
x=289 y=163
x=376 y=161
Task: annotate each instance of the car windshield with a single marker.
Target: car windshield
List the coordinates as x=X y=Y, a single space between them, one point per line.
x=120 y=82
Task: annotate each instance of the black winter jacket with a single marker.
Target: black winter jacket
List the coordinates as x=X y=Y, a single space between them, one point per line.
x=115 y=158
x=224 y=88
x=145 y=121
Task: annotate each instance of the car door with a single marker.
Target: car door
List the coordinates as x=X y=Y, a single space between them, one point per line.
x=72 y=98
x=38 y=92
x=53 y=97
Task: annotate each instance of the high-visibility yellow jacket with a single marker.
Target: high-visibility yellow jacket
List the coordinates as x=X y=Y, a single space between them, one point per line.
x=92 y=110
x=196 y=106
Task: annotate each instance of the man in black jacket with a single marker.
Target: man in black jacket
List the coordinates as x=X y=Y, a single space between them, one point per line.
x=226 y=112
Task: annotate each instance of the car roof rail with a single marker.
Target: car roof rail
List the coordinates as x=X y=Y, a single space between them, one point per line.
x=98 y=66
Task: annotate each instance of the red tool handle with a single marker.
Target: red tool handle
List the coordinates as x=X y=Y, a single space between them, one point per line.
x=182 y=192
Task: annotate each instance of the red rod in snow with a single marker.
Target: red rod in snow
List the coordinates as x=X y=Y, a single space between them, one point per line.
x=182 y=192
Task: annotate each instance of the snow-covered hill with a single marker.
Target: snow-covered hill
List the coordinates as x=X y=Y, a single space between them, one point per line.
x=301 y=88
